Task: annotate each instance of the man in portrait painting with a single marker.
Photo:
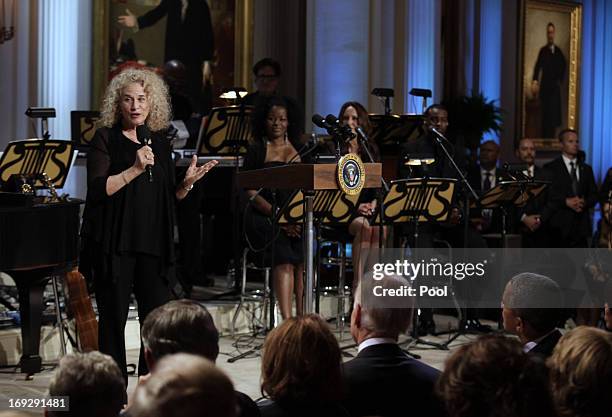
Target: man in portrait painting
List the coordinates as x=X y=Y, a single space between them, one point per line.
x=548 y=75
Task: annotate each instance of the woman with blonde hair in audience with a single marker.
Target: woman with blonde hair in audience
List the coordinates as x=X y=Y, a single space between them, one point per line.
x=581 y=373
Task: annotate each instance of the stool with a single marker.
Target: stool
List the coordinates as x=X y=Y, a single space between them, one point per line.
x=340 y=291
x=262 y=296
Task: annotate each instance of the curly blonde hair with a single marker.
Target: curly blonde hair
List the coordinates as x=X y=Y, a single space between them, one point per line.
x=160 y=111
x=581 y=373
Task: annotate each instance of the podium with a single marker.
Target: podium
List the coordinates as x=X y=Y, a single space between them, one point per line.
x=308 y=178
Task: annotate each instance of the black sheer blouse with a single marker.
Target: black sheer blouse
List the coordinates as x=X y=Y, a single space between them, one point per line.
x=139 y=218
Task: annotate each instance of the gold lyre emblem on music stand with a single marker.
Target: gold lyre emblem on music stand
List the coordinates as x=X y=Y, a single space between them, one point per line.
x=351 y=174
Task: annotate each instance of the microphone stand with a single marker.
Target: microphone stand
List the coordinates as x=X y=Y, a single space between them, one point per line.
x=467 y=192
x=363 y=144
x=467 y=188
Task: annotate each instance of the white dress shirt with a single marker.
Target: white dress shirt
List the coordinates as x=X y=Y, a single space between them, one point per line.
x=375 y=341
x=483 y=176
x=567 y=161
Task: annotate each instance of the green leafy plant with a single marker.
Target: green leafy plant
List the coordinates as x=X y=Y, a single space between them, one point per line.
x=470 y=117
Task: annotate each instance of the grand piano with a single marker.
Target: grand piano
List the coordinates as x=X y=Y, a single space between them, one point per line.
x=36 y=243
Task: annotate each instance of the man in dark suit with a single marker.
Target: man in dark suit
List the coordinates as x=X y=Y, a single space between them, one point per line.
x=189 y=39
x=382 y=376
x=531 y=306
x=551 y=65
x=529 y=217
x=482 y=178
x=571 y=195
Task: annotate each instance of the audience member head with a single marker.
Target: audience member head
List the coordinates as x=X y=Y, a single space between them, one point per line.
x=13 y=414
x=493 y=377
x=271 y=110
x=93 y=383
x=369 y=320
x=488 y=155
x=353 y=114
x=526 y=151
x=581 y=373
x=436 y=116
x=185 y=385
x=570 y=144
x=267 y=73
x=301 y=362
x=179 y=326
x=153 y=109
x=530 y=306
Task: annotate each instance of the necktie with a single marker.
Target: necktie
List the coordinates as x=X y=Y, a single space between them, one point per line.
x=486 y=186
x=575 y=184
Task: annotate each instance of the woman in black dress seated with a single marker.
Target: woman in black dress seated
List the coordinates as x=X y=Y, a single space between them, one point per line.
x=365 y=236
x=301 y=370
x=275 y=144
x=128 y=222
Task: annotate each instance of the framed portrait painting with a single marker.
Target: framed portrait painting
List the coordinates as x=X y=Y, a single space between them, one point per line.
x=549 y=70
x=212 y=40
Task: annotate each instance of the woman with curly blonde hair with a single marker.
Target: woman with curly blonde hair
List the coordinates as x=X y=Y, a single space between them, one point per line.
x=581 y=373
x=128 y=222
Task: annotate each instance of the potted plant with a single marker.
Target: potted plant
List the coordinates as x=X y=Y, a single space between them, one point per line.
x=470 y=117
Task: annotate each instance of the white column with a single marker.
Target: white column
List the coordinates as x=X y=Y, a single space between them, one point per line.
x=491 y=52
x=337 y=61
x=64 y=68
x=15 y=75
x=423 y=63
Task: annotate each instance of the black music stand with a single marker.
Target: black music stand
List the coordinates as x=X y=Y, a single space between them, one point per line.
x=83 y=127
x=227 y=131
x=507 y=194
x=394 y=129
x=331 y=207
x=414 y=201
x=32 y=158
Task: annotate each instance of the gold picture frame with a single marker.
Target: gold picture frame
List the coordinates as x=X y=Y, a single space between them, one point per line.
x=547 y=95
x=103 y=23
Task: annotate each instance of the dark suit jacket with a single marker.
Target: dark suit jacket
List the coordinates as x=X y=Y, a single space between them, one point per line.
x=269 y=408
x=566 y=227
x=383 y=381
x=475 y=180
x=537 y=205
x=546 y=346
x=191 y=40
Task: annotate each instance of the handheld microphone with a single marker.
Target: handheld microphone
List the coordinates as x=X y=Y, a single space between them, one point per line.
x=144 y=136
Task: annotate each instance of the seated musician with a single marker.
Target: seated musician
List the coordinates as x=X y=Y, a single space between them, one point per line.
x=451 y=231
x=366 y=236
x=275 y=144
